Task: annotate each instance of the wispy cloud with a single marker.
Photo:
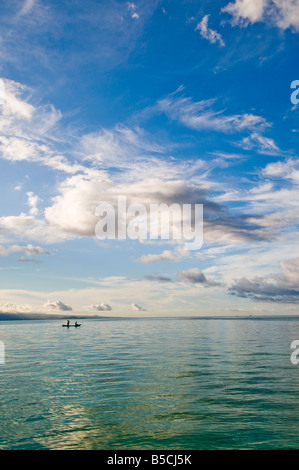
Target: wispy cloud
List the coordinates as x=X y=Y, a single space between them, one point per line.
x=201 y=115
x=212 y=36
x=121 y=146
x=27 y=7
x=260 y=143
x=31 y=132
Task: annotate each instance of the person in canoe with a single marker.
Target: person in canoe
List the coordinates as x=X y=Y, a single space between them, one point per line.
x=77 y=324
x=68 y=323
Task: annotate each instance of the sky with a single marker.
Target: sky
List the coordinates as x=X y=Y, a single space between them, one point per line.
x=163 y=102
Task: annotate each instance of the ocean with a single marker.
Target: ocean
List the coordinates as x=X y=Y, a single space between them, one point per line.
x=149 y=384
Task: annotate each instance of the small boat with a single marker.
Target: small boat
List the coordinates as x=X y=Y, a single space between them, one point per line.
x=68 y=326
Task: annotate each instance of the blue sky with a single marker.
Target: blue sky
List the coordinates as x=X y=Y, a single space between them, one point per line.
x=160 y=101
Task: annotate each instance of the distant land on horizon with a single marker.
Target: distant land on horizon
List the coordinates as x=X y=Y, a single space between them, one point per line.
x=44 y=316
x=49 y=316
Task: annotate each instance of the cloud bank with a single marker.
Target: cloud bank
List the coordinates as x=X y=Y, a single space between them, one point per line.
x=281 y=288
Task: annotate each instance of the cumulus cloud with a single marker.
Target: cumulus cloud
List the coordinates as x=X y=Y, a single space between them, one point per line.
x=57 y=305
x=195 y=276
x=283 y=13
x=99 y=307
x=208 y=33
x=133 y=10
x=73 y=210
x=282 y=287
x=28 y=250
x=138 y=308
x=166 y=255
x=246 y=11
x=32 y=202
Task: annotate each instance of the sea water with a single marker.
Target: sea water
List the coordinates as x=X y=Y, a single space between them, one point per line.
x=149 y=384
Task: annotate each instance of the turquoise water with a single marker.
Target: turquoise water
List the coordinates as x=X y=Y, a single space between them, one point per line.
x=149 y=384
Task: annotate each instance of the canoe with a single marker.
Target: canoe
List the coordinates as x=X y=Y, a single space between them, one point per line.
x=68 y=326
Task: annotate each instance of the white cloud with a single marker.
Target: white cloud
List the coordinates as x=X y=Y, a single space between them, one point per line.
x=73 y=210
x=207 y=33
x=261 y=143
x=288 y=170
x=99 y=307
x=14 y=308
x=200 y=115
x=28 y=227
x=23 y=149
x=287 y=13
x=57 y=305
x=121 y=146
x=28 y=250
x=32 y=202
x=166 y=255
x=133 y=10
x=282 y=13
x=246 y=11
x=145 y=177
x=30 y=132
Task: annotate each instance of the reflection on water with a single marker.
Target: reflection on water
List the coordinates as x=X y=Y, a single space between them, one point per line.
x=149 y=384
